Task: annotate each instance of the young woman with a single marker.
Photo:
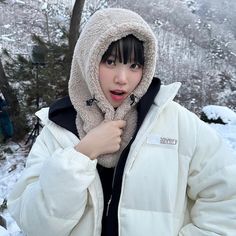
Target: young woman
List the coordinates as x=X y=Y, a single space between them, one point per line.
x=119 y=156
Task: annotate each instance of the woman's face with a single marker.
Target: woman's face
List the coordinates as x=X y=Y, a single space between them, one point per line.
x=118 y=80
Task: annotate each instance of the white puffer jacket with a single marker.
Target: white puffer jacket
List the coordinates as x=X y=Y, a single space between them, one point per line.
x=60 y=193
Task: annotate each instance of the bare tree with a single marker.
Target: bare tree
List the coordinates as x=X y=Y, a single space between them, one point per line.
x=74 y=26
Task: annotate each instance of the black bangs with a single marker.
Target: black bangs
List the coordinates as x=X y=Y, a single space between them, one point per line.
x=127 y=49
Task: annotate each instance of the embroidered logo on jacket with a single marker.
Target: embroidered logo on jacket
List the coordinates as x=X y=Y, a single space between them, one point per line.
x=170 y=141
x=157 y=139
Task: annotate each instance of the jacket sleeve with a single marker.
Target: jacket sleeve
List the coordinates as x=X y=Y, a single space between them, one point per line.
x=211 y=187
x=51 y=195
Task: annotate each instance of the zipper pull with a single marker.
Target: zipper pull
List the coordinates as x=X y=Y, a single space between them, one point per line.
x=108 y=205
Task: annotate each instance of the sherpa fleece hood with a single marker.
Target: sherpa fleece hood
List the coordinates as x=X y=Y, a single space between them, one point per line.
x=104 y=27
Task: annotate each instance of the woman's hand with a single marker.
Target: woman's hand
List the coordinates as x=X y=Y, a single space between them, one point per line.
x=103 y=139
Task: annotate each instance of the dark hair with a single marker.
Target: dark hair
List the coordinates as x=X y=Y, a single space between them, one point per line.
x=124 y=49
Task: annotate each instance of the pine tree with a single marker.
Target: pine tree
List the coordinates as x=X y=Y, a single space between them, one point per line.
x=38 y=85
x=46 y=82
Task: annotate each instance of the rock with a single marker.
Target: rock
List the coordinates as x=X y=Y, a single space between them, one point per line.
x=3 y=223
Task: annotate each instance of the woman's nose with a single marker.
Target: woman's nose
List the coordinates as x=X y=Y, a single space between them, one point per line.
x=121 y=76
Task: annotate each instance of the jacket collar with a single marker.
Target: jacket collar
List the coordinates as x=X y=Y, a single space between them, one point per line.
x=147 y=100
x=166 y=94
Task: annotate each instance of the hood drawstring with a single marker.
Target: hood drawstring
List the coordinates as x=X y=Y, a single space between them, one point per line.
x=132 y=98
x=90 y=101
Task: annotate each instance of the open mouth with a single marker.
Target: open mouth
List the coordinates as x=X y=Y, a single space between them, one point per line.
x=117 y=95
x=118 y=92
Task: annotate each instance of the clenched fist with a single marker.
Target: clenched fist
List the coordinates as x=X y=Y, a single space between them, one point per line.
x=103 y=139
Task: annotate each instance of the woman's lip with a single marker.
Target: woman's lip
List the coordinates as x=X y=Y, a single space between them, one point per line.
x=117 y=97
x=118 y=91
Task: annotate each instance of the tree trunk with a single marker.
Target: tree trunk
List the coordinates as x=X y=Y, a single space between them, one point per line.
x=14 y=106
x=74 y=27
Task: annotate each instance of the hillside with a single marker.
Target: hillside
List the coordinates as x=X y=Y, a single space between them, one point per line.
x=196 y=45
x=196 y=40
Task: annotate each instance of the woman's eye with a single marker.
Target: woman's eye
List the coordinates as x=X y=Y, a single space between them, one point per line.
x=110 y=62
x=135 y=66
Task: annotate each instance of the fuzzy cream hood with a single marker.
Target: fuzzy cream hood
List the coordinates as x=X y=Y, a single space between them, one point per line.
x=103 y=28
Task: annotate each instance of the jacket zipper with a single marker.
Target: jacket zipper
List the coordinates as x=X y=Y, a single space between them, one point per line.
x=109 y=201
x=108 y=205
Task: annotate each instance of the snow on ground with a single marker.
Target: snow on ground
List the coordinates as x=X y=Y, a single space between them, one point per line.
x=228 y=116
x=12 y=164
x=12 y=161
x=213 y=112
